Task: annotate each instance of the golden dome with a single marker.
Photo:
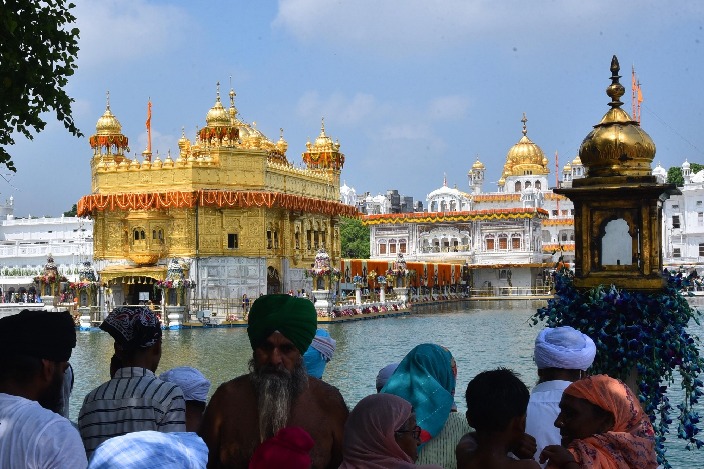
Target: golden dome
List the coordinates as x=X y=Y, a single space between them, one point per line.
x=108 y=123
x=478 y=165
x=567 y=168
x=281 y=144
x=525 y=157
x=617 y=146
x=502 y=181
x=577 y=161
x=183 y=142
x=217 y=115
x=323 y=142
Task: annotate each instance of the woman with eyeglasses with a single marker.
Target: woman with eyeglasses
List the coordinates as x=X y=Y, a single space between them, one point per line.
x=381 y=433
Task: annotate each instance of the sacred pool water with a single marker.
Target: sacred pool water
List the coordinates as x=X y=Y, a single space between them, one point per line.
x=498 y=334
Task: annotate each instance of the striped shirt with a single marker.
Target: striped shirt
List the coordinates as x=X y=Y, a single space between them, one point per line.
x=134 y=400
x=441 y=449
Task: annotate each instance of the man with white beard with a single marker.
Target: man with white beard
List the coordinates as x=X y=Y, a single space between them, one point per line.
x=277 y=392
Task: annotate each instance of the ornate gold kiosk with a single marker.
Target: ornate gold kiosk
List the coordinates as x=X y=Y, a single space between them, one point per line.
x=618 y=206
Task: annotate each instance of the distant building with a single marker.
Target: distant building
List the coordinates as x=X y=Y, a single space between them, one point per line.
x=26 y=243
x=507 y=237
x=683 y=221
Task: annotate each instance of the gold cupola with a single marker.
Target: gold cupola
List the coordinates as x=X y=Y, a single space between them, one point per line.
x=323 y=153
x=525 y=157
x=617 y=146
x=478 y=165
x=219 y=126
x=108 y=141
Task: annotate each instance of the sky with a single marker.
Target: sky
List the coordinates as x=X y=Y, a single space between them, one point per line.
x=413 y=90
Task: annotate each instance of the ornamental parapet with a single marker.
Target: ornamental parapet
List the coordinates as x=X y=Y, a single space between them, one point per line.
x=89 y=204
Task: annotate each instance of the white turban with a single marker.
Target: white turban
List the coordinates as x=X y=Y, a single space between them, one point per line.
x=564 y=347
x=194 y=385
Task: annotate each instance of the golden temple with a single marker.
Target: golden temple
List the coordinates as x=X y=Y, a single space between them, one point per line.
x=230 y=208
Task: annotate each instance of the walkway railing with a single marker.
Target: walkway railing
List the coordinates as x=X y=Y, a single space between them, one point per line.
x=509 y=291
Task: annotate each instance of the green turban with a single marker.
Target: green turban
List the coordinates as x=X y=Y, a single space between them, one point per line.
x=294 y=317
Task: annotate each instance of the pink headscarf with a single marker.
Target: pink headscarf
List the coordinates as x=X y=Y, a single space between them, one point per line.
x=370 y=441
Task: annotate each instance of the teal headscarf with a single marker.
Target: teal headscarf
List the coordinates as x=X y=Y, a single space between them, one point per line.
x=426 y=379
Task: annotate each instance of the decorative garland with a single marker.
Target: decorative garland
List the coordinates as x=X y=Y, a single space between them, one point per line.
x=212 y=198
x=119 y=141
x=639 y=332
x=426 y=217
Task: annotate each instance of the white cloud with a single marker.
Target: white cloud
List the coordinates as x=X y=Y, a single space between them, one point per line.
x=344 y=110
x=405 y=27
x=115 y=31
x=448 y=107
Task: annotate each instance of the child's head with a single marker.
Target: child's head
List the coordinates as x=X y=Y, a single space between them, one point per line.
x=494 y=398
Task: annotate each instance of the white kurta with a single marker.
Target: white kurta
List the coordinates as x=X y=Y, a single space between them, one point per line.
x=543 y=408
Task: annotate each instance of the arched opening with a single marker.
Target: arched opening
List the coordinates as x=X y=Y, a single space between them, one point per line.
x=616 y=245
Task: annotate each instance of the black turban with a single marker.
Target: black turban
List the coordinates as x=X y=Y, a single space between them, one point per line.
x=133 y=326
x=294 y=317
x=42 y=334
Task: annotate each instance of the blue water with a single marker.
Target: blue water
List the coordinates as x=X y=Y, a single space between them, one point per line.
x=498 y=334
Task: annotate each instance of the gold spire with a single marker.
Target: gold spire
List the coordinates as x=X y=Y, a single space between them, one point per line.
x=525 y=157
x=617 y=146
x=107 y=123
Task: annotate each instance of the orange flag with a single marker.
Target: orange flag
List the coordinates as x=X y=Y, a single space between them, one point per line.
x=149 y=115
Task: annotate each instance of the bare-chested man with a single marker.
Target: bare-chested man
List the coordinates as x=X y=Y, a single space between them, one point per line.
x=277 y=392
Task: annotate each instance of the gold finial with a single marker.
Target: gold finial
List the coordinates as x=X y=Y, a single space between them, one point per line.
x=107 y=98
x=322 y=126
x=218 y=91
x=183 y=131
x=615 y=90
x=281 y=133
x=524 y=120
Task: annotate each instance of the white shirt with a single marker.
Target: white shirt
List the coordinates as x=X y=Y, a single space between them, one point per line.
x=33 y=437
x=543 y=409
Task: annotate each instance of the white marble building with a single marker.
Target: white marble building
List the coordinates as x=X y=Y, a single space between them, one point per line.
x=25 y=244
x=683 y=220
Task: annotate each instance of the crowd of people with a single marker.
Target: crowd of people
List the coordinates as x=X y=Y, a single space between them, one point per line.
x=282 y=414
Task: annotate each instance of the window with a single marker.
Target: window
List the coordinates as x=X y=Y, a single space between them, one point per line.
x=700 y=218
x=675 y=206
x=402 y=247
x=297 y=238
x=392 y=248
x=675 y=221
x=565 y=213
x=701 y=249
x=232 y=241
x=503 y=242
x=554 y=213
x=516 y=243
x=676 y=252
x=382 y=249
x=269 y=244
x=699 y=203
x=518 y=186
x=276 y=239
x=490 y=244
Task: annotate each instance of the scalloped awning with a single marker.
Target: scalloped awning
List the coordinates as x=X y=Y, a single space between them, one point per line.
x=111 y=273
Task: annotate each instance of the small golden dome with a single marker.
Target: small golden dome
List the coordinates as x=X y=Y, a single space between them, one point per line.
x=183 y=142
x=281 y=144
x=502 y=181
x=108 y=123
x=478 y=165
x=577 y=161
x=617 y=146
x=525 y=156
x=567 y=168
x=323 y=142
x=217 y=115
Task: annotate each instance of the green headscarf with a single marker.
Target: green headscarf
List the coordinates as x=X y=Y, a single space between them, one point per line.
x=294 y=317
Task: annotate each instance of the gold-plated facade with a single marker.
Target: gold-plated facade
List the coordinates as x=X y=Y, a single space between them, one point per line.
x=230 y=193
x=618 y=206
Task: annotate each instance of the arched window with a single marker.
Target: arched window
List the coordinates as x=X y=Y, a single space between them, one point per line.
x=516 y=242
x=503 y=242
x=489 y=243
x=538 y=186
x=518 y=186
x=528 y=185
